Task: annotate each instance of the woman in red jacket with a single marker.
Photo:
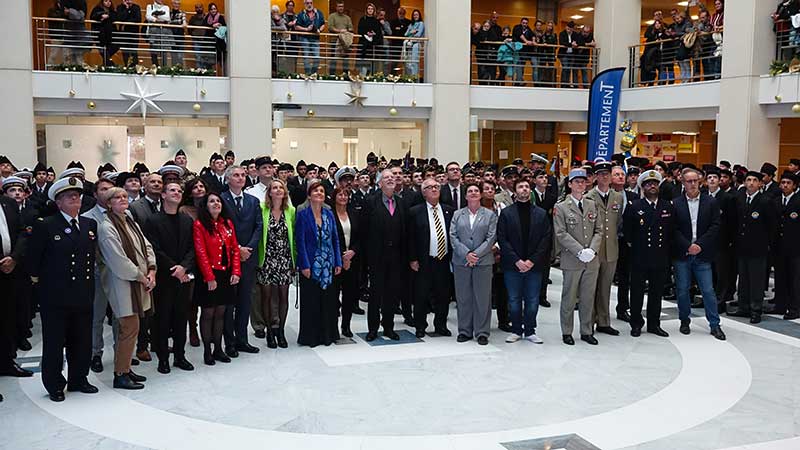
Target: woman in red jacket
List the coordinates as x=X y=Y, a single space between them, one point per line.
x=219 y=264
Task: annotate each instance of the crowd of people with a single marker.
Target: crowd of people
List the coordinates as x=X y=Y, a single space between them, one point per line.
x=683 y=50
x=787 y=28
x=173 y=35
x=170 y=256
x=502 y=53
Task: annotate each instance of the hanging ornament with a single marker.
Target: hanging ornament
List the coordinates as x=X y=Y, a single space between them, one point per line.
x=355 y=95
x=71 y=92
x=197 y=107
x=203 y=92
x=310 y=113
x=796 y=108
x=392 y=111
x=414 y=103
x=91 y=105
x=778 y=98
x=289 y=95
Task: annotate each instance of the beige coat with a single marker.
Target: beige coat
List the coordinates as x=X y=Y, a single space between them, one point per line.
x=120 y=271
x=610 y=217
x=575 y=231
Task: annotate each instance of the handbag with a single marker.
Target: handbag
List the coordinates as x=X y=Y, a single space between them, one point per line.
x=689 y=39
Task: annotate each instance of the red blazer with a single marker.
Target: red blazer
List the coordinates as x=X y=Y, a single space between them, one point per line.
x=208 y=248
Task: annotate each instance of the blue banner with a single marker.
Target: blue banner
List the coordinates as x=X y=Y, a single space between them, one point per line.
x=603 y=109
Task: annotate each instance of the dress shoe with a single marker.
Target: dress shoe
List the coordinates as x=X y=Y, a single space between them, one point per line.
x=791 y=316
x=24 y=345
x=271 y=343
x=544 y=303
x=504 y=327
x=260 y=334
x=420 y=334
x=247 y=348
x=717 y=333
x=444 y=332
x=722 y=308
x=483 y=340
x=738 y=313
x=359 y=311
x=624 y=316
x=658 y=331
x=463 y=338
x=83 y=387
x=685 y=327
x=409 y=323
x=567 y=339
x=391 y=334
x=134 y=362
x=281 y=337
x=670 y=296
x=231 y=352
x=733 y=303
x=346 y=332
x=137 y=378
x=589 y=339
x=144 y=355
x=125 y=382
x=163 y=366
x=208 y=358
x=97 y=364
x=371 y=336
x=636 y=332
x=183 y=364
x=57 y=396
x=549 y=281
x=755 y=318
x=221 y=356
x=14 y=370
x=608 y=330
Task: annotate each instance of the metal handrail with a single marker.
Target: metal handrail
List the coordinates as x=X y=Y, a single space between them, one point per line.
x=547 y=68
x=787 y=40
x=139 y=24
x=669 y=62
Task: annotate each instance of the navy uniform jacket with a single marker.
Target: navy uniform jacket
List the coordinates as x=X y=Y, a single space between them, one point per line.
x=788 y=226
x=727 y=219
x=63 y=261
x=648 y=232
x=756 y=225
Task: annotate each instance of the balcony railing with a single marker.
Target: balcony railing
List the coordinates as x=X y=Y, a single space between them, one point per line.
x=787 y=40
x=329 y=55
x=672 y=61
x=62 y=44
x=541 y=65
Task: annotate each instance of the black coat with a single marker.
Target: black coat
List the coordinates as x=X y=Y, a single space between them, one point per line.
x=386 y=236
x=756 y=225
x=788 y=226
x=447 y=196
x=708 y=222
x=419 y=233
x=171 y=250
x=647 y=232
x=132 y=14
x=509 y=237
x=356 y=234
x=213 y=184
x=15 y=227
x=728 y=220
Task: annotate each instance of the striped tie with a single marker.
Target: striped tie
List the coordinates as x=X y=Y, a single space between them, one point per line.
x=441 y=245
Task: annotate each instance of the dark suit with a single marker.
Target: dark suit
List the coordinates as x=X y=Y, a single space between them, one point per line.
x=386 y=251
x=546 y=203
x=297 y=191
x=786 y=256
x=348 y=280
x=248 y=224
x=9 y=284
x=725 y=263
x=213 y=184
x=38 y=197
x=623 y=263
x=433 y=280
x=64 y=262
x=647 y=231
x=171 y=238
x=756 y=227
x=447 y=196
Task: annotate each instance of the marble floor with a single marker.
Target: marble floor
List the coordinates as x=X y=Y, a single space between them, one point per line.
x=648 y=393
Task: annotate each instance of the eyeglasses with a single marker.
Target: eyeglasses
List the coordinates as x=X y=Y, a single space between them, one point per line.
x=435 y=187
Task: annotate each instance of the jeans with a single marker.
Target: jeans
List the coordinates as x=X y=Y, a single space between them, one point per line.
x=523 y=289
x=684 y=270
x=412 y=61
x=685 y=66
x=311 y=56
x=535 y=70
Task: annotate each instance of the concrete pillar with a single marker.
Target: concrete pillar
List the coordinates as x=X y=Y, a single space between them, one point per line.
x=447 y=66
x=249 y=68
x=746 y=136
x=617 y=25
x=16 y=63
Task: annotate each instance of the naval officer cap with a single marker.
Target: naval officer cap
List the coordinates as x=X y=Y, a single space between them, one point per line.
x=72 y=172
x=12 y=181
x=64 y=185
x=649 y=175
x=345 y=171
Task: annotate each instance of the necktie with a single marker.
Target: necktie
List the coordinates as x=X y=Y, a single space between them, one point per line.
x=580 y=206
x=785 y=201
x=748 y=200
x=391 y=206
x=238 y=204
x=455 y=197
x=605 y=199
x=154 y=205
x=74 y=225
x=441 y=246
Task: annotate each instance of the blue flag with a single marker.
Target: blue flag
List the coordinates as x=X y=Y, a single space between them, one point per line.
x=603 y=109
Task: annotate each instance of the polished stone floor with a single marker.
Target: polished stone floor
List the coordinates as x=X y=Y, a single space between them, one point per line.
x=648 y=393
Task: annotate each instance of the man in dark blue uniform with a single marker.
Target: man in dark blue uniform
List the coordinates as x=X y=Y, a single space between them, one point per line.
x=647 y=229
x=61 y=258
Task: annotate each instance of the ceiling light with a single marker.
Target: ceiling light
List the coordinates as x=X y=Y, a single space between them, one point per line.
x=649 y=22
x=695 y=17
x=587 y=9
x=683 y=3
x=576 y=17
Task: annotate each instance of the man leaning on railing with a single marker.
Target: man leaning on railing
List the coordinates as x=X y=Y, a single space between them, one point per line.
x=310 y=20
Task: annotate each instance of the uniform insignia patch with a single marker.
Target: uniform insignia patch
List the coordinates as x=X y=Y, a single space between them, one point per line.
x=793 y=215
x=755 y=215
x=57 y=237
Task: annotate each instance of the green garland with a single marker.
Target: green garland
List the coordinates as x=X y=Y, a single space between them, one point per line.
x=136 y=70
x=379 y=77
x=778 y=67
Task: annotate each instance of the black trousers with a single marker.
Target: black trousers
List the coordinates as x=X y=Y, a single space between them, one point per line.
x=787 y=284
x=348 y=282
x=751 y=283
x=500 y=298
x=545 y=276
x=143 y=339
x=171 y=299
x=655 y=278
x=385 y=287
x=725 y=272
x=70 y=329
x=8 y=335
x=24 y=310
x=408 y=292
x=624 y=280
x=432 y=289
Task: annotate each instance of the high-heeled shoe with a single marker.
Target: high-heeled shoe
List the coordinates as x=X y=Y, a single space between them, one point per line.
x=220 y=356
x=282 y=339
x=271 y=339
x=346 y=332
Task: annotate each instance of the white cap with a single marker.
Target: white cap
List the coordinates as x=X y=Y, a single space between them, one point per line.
x=171 y=168
x=64 y=184
x=72 y=172
x=13 y=180
x=649 y=175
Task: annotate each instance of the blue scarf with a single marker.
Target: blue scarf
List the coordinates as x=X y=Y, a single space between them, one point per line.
x=322 y=267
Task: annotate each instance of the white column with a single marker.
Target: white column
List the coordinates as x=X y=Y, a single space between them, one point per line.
x=746 y=136
x=617 y=25
x=16 y=63
x=249 y=68
x=447 y=67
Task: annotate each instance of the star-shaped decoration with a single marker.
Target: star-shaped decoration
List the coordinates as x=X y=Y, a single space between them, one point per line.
x=143 y=99
x=355 y=95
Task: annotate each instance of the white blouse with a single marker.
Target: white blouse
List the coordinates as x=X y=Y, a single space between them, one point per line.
x=346 y=228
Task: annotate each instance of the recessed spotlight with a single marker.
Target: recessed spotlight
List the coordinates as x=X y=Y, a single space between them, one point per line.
x=695 y=17
x=683 y=3
x=576 y=17
x=649 y=22
x=587 y=9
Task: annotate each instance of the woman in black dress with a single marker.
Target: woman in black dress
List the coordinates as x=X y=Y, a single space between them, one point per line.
x=219 y=262
x=371 y=37
x=348 y=229
x=105 y=14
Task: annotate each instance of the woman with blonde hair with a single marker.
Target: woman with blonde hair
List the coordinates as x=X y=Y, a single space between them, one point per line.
x=274 y=274
x=128 y=280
